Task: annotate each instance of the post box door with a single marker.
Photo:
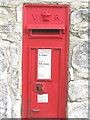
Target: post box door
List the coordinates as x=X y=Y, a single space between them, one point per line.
x=45 y=65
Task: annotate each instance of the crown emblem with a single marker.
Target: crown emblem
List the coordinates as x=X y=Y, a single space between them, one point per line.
x=46 y=16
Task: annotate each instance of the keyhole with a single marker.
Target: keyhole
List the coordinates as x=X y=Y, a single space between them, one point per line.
x=39 y=87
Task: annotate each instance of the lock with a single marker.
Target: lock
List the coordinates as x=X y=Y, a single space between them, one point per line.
x=40 y=88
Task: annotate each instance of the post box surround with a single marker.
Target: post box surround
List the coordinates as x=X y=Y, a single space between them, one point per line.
x=45 y=58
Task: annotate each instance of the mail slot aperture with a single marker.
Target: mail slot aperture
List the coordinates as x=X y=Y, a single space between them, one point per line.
x=46 y=31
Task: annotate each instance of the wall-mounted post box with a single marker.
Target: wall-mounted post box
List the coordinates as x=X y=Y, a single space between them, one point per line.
x=45 y=58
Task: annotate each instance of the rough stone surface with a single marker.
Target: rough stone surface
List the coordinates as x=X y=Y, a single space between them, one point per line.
x=80 y=59
x=14 y=55
x=79 y=15
x=11 y=57
x=10 y=37
x=5 y=101
x=19 y=13
x=78 y=90
x=78 y=110
x=71 y=73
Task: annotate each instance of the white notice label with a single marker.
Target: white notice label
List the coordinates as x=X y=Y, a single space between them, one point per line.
x=44 y=63
x=43 y=98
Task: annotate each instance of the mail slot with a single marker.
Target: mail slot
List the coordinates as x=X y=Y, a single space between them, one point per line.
x=45 y=61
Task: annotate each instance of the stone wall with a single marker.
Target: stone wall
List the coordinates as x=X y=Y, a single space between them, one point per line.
x=11 y=57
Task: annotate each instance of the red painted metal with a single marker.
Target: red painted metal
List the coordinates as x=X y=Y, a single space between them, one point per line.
x=36 y=19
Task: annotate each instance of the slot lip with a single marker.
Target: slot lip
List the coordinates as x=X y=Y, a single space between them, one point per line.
x=45 y=26
x=44 y=80
x=53 y=35
x=59 y=27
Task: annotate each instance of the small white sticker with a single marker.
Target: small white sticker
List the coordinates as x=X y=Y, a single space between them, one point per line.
x=43 y=98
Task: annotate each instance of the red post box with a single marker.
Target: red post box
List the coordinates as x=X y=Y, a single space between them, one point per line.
x=45 y=59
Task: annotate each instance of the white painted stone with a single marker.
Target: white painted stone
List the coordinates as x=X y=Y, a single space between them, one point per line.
x=74 y=17
x=5 y=107
x=78 y=109
x=81 y=26
x=9 y=103
x=10 y=37
x=77 y=16
x=80 y=58
x=5 y=4
x=19 y=13
x=15 y=85
x=9 y=3
x=3 y=76
x=84 y=74
x=17 y=28
x=83 y=33
x=3 y=11
x=65 y=0
x=76 y=5
x=14 y=55
x=43 y=1
x=3 y=36
x=78 y=90
x=71 y=73
x=3 y=60
x=15 y=81
x=3 y=65
x=6 y=28
x=17 y=109
x=80 y=30
x=3 y=21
